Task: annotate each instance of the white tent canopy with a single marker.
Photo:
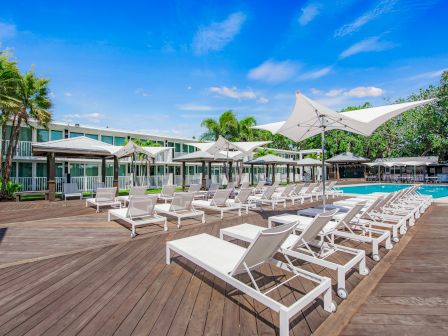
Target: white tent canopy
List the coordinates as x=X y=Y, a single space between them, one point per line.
x=309 y=118
x=224 y=145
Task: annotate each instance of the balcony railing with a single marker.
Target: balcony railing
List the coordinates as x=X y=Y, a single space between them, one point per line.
x=23 y=148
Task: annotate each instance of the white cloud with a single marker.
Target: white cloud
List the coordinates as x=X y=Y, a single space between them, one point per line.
x=263 y=100
x=217 y=35
x=309 y=13
x=430 y=74
x=67 y=94
x=7 y=30
x=364 y=91
x=94 y=117
x=194 y=107
x=91 y=117
x=274 y=72
x=233 y=92
x=367 y=45
x=142 y=92
x=357 y=92
x=189 y=87
x=316 y=74
x=381 y=8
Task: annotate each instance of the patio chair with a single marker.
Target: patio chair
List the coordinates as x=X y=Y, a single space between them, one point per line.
x=212 y=190
x=104 y=197
x=259 y=188
x=133 y=191
x=226 y=261
x=299 y=193
x=97 y=185
x=139 y=212
x=219 y=203
x=243 y=200
x=181 y=207
x=268 y=197
x=302 y=246
x=71 y=190
x=167 y=193
x=286 y=193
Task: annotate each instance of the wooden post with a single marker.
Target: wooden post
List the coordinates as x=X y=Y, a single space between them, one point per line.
x=103 y=169
x=210 y=171
x=266 y=172
x=203 y=175
x=183 y=175
x=252 y=173
x=51 y=180
x=273 y=173
x=115 y=182
x=287 y=173
x=230 y=171
x=337 y=172
x=294 y=174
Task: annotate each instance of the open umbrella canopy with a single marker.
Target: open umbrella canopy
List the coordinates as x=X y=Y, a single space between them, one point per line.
x=222 y=144
x=200 y=156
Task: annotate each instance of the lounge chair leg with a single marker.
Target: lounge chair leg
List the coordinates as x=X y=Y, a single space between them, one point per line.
x=284 y=323
x=222 y=214
x=165 y=225
x=168 y=255
x=178 y=222
x=329 y=306
x=203 y=218
x=342 y=292
x=239 y=212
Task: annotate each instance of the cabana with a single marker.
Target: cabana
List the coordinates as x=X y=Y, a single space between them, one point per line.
x=347 y=165
x=84 y=147
x=200 y=156
x=310 y=162
x=273 y=160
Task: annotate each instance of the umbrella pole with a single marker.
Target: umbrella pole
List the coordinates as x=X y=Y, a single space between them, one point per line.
x=323 y=167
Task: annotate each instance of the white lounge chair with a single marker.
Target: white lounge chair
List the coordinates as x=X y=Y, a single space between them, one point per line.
x=139 y=212
x=269 y=198
x=299 y=246
x=181 y=207
x=71 y=190
x=259 y=188
x=167 y=193
x=226 y=260
x=104 y=197
x=287 y=193
x=299 y=193
x=243 y=200
x=133 y=191
x=219 y=203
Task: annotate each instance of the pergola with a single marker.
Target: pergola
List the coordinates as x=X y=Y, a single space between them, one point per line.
x=200 y=156
x=271 y=159
x=347 y=158
x=87 y=148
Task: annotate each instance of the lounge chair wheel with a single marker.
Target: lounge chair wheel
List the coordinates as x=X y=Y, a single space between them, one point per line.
x=133 y=235
x=342 y=293
x=334 y=306
x=396 y=239
x=376 y=257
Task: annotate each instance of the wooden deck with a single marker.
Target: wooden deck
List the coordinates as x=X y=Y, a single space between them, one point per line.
x=124 y=287
x=412 y=297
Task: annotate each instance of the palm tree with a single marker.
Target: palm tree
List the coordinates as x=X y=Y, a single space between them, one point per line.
x=264 y=151
x=229 y=127
x=33 y=103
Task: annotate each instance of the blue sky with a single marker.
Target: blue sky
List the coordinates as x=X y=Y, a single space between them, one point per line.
x=164 y=66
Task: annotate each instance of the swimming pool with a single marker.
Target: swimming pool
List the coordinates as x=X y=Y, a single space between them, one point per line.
x=434 y=190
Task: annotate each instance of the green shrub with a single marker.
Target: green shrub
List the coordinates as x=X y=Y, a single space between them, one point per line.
x=11 y=188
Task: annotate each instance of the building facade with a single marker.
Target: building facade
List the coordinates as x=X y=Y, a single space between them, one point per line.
x=31 y=171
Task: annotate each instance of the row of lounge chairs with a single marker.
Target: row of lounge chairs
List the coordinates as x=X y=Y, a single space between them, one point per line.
x=312 y=235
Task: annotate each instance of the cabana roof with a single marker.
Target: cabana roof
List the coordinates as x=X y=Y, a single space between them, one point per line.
x=271 y=159
x=79 y=146
x=347 y=157
x=223 y=144
x=431 y=159
x=201 y=156
x=309 y=162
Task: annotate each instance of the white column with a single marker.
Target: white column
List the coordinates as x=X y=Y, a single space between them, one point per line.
x=33 y=175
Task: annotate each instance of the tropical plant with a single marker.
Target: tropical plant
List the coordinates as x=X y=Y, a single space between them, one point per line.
x=28 y=99
x=10 y=188
x=264 y=151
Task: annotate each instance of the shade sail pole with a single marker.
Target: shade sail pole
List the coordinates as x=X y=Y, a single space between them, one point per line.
x=323 y=167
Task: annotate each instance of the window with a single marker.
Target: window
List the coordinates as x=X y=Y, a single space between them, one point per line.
x=41 y=169
x=25 y=134
x=160 y=170
x=43 y=135
x=120 y=141
x=59 y=169
x=191 y=149
x=170 y=144
x=177 y=147
x=107 y=139
x=75 y=134
x=184 y=148
x=109 y=169
x=92 y=136
x=91 y=169
x=76 y=169
x=56 y=135
x=25 y=169
x=121 y=170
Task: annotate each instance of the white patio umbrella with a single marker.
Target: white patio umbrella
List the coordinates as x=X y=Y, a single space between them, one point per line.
x=309 y=118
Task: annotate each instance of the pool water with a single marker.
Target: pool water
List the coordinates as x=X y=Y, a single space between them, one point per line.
x=434 y=190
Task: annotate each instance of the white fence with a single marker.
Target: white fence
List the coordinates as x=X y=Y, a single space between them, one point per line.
x=23 y=148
